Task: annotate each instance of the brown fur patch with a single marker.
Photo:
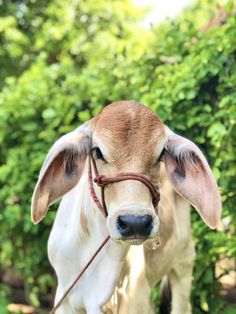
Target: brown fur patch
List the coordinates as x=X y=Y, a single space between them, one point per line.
x=131 y=132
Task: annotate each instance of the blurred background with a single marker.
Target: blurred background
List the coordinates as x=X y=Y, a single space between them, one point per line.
x=60 y=63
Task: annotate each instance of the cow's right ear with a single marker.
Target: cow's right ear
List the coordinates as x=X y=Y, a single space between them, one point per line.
x=61 y=170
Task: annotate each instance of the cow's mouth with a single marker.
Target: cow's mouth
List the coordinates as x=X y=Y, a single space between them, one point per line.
x=134 y=240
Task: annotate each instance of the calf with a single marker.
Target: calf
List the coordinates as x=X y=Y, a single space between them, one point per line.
x=147 y=241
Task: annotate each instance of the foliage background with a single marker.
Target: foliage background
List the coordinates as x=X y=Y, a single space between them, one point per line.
x=61 y=62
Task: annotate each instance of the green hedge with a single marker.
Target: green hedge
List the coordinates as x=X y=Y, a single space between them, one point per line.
x=63 y=61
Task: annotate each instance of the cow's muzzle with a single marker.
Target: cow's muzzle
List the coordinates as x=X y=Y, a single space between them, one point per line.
x=132 y=223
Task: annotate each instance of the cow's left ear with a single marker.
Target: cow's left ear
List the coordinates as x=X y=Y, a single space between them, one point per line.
x=192 y=178
x=61 y=170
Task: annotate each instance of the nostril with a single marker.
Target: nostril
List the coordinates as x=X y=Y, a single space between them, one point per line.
x=122 y=223
x=145 y=225
x=147 y=221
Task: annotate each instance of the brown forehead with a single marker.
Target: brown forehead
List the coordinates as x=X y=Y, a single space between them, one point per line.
x=129 y=127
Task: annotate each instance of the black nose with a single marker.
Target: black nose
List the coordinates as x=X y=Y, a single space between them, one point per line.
x=134 y=226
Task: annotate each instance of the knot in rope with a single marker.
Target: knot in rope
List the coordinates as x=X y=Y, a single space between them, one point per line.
x=99 y=180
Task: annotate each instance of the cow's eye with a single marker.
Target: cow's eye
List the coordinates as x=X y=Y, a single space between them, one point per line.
x=98 y=154
x=161 y=155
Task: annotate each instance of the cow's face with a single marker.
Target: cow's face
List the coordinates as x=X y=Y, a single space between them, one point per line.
x=129 y=138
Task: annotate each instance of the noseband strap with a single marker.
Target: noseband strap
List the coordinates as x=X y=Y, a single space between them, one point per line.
x=102 y=181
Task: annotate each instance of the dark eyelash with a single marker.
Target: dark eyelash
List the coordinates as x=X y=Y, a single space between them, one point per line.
x=161 y=155
x=98 y=153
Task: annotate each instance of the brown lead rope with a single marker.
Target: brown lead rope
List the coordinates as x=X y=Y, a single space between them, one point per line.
x=102 y=181
x=79 y=276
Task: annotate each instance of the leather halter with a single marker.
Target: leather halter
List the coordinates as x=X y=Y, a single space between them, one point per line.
x=102 y=181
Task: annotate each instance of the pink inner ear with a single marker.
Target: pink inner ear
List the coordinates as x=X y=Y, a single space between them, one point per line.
x=61 y=170
x=191 y=177
x=55 y=183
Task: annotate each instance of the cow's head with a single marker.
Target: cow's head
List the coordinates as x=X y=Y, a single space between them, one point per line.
x=128 y=137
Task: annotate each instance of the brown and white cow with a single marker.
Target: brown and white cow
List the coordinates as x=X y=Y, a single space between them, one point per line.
x=124 y=137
